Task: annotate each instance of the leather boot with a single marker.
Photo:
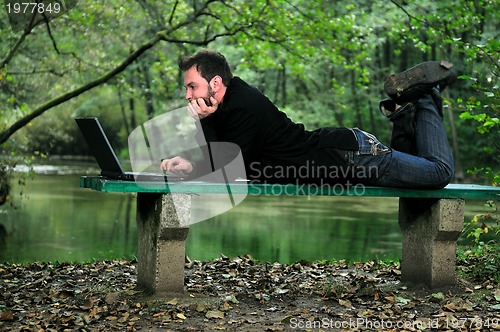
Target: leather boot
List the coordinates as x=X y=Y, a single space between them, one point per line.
x=410 y=84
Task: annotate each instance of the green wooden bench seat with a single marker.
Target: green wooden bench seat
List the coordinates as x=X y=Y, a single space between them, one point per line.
x=431 y=222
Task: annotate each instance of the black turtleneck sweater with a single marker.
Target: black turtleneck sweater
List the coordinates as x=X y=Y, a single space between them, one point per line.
x=273 y=147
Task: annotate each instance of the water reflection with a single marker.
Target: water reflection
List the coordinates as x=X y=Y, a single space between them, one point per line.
x=59 y=221
x=288 y=229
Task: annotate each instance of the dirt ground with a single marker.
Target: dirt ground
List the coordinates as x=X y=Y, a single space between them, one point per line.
x=239 y=294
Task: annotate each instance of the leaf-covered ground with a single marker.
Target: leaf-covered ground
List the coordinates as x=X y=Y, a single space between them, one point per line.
x=239 y=294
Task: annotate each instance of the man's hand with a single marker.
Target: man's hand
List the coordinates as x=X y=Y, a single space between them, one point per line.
x=198 y=109
x=177 y=165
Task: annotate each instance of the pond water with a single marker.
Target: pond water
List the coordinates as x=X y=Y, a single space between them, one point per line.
x=56 y=220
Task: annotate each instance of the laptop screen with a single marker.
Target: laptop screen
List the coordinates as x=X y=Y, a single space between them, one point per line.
x=99 y=145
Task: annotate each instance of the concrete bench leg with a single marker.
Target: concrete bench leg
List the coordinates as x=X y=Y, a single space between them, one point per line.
x=431 y=228
x=162 y=226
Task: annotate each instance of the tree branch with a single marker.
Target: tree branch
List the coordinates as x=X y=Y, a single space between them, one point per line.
x=203 y=42
x=173 y=12
x=152 y=12
x=36 y=71
x=7 y=133
x=411 y=17
x=18 y=43
x=49 y=31
x=161 y=35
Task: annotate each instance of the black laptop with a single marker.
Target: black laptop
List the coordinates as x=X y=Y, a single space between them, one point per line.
x=106 y=158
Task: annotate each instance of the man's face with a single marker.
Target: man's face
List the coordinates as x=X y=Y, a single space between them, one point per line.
x=196 y=86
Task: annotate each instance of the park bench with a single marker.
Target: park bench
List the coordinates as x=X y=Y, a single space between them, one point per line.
x=431 y=222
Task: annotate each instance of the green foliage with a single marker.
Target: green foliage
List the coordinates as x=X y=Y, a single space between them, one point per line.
x=481 y=262
x=486 y=123
x=481 y=259
x=465 y=33
x=11 y=155
x=485 y=114
x=483 y=224
x=482 y=108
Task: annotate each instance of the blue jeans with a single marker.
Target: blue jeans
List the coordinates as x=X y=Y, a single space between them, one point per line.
x=430 y=168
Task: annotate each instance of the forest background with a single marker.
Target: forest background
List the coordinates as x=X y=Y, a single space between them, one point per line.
x=322 y=62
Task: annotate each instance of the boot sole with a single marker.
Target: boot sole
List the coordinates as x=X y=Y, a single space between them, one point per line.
x=412 y=83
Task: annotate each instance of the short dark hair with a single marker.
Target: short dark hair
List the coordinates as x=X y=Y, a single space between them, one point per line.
x=209 y=64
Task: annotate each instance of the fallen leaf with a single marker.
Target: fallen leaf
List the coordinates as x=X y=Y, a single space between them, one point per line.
x=396 y=272
x=345 y=303
x=391 y=299
x=93 y=312
x=450 y=306
x=403 y=300
x=160 y=314
x=437 y=297
x=497 y=294
x=180 y=316
x=112 y=297
x=6 y=315
x=232 y=299
x=225 y=306
x=444 y=314
x=383 y=316
x=467 y=307
x=214 y=314
x=200 y=307
x=87 y=304
x=173 y=301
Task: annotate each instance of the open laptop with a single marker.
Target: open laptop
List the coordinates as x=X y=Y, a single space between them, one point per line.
x=106 y=158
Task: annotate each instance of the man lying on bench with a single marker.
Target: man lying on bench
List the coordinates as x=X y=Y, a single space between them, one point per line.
x=274 y=148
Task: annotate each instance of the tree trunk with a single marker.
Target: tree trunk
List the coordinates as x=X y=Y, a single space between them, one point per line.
x=459 y=173
x=145 y=89
x=355 y=100
x=122 y=109
x=283 y=86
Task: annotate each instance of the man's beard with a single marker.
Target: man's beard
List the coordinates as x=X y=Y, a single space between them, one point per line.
x=210 y=93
